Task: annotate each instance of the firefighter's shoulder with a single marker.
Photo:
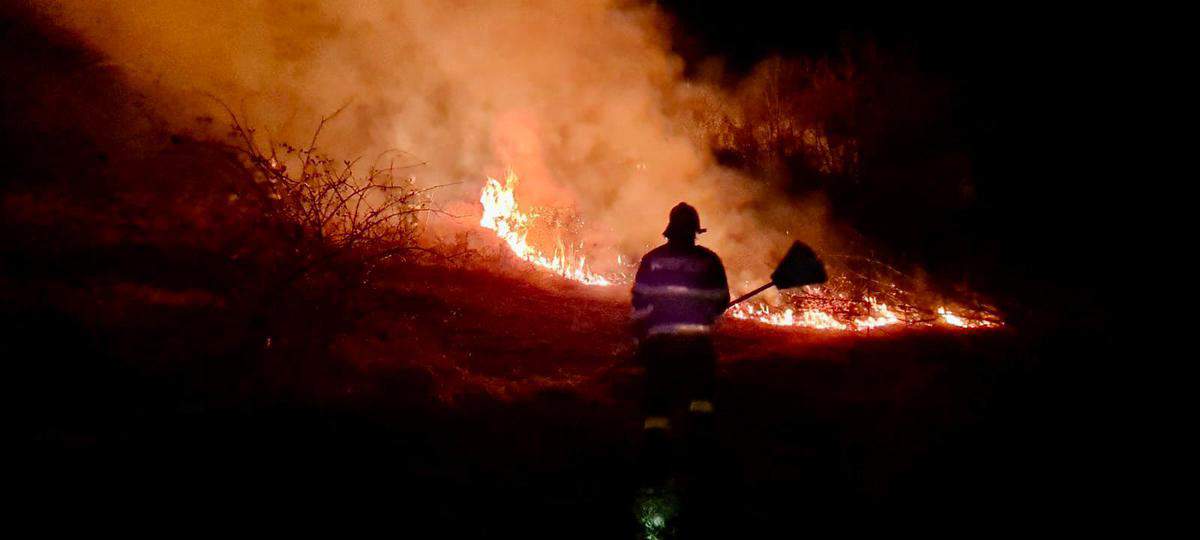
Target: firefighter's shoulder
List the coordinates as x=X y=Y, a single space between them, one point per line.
x=660 y=251
x=708 y=254
x=652 y=255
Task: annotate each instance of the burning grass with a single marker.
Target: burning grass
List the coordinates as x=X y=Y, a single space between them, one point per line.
x=503 y=215
x=863 y=294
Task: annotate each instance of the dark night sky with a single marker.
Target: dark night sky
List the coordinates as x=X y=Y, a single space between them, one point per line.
x=749 y=30
x=1006 y=61
x=1011 y=58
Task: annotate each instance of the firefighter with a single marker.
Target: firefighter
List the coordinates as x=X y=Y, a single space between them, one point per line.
x=679 y=292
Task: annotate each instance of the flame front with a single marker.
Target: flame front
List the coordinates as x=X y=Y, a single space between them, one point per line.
x=502 y=215
x=786 y=316
x=879 y=315
x=825 y=309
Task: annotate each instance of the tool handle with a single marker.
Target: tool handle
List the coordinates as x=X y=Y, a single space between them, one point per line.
x=750 y=294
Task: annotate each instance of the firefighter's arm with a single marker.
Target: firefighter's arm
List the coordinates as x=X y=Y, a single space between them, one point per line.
x=720 y=281
x=641 y=304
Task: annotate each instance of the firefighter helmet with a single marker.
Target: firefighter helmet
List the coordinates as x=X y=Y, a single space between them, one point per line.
x=685 y=221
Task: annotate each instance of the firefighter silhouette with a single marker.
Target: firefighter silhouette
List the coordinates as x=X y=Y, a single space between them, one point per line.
x=679 y=292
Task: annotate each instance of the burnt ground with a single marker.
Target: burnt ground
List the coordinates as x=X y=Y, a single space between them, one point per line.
x=475 y=404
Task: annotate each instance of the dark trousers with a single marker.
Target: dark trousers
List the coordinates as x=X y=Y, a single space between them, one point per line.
x=680 y=381
x=680 y=371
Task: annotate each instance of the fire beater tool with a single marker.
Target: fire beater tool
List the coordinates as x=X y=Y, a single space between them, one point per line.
x=800 y=266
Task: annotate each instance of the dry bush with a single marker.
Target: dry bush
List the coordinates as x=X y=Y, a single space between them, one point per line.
x=330 y=227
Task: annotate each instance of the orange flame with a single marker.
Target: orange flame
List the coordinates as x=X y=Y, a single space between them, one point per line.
x=954 y=320
x=776 y=316
x=502 y=214
x=879 y=315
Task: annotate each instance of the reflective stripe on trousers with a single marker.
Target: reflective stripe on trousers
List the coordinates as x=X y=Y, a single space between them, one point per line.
x=679 y=329
x=656 y=422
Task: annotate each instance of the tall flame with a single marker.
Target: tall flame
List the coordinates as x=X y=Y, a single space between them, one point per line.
x=503 y=215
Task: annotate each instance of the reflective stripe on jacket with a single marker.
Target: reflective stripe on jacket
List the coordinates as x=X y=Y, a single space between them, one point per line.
x=679 y=289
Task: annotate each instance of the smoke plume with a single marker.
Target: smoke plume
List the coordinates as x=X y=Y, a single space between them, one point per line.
x=583 y=99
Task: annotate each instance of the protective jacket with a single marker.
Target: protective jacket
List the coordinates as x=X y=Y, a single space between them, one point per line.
x=680 y=289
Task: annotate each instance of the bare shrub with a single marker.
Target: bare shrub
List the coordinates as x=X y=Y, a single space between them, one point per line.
x=330 y=225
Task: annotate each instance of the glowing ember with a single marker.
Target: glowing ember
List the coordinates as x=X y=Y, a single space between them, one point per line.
x=832 y=306
x=809 y=318
x=502 y=215
x=878 y=314
x=954 y=320
x=881 y=315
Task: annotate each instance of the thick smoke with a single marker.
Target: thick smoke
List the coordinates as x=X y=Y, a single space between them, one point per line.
x=583 y=99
